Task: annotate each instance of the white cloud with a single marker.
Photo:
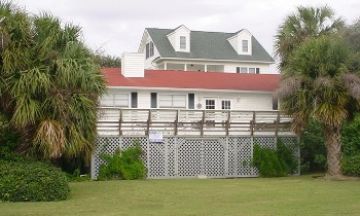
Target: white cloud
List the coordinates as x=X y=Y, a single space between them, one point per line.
x=117 y=26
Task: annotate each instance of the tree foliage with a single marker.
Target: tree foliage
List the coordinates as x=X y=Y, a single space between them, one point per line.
x=49 y=83
x=317 y=84
x=307 y=22
x=107 y=60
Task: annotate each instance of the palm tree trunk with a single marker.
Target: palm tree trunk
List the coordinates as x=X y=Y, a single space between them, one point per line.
x=333 y=147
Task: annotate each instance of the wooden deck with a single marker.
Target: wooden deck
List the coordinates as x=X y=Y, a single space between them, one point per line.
x=171 y=122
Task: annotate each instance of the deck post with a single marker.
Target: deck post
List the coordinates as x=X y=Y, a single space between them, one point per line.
x=176 y=123
x=252 y=124
x=277 y=128
x=148 y=123
x=227 y=124
x=120 y=121
x=202 y=122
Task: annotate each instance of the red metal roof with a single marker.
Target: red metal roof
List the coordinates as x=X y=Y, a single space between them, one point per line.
x=194 y=80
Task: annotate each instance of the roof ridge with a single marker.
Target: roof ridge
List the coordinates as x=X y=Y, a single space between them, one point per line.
x=196 y=30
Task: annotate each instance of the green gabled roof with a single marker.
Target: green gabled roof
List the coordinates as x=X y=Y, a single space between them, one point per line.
x=207 y=45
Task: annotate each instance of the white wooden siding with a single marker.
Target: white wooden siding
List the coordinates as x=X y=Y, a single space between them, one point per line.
x=132 y=64
x=142 y=49
x=179 y=99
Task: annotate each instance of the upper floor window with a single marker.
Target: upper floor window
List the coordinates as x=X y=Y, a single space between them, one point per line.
x=191 y=101
x=182 y=42
x=226 y=104
x=153 y=98
x=210 y=104
x=241 y=69
x=149 y=50
x=172 y=101
x=245 y=46
x=134 y=99
x=275 y=103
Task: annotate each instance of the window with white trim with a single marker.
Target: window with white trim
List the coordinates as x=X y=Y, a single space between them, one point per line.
x=182 y=42
x=115 y=100
x=245 y=46
x=252 y=70
x=243 y=70
x=226 y=104
x=172 y=101
x=209 y=104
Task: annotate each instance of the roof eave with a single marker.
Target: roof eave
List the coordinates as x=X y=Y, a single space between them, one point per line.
x=159 y=59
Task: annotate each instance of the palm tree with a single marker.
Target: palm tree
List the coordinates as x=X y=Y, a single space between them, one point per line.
x=317 y=84
x=52 y=84
x=305 y=23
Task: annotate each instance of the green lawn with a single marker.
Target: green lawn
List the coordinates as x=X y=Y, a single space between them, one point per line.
x=258 y=196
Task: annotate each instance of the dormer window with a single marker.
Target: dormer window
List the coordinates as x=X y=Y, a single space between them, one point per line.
x=149 y=50
x=183 y=42
x=245 y=46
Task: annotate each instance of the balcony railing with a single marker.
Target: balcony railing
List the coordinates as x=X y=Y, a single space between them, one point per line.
x=129 y=122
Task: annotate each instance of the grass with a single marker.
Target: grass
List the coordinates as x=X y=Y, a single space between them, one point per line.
x=259 y=196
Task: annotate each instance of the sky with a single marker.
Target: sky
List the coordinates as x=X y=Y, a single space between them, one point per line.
x=113 y=27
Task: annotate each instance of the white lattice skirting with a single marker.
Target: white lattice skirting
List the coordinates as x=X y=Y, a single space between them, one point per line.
x=179 y=157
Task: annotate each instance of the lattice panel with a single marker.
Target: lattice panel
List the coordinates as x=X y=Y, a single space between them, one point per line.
x=157 y=162
x=265 y=141
x=103 y=145
x=214 y=157
x=240 y=156
x=171 y=149
x=190 y=157
x=292 y=143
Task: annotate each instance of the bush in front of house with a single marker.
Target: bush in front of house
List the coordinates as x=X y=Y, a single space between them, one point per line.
x=351 y=165
x=274 y=162
x=126 y=165
x=32 y=181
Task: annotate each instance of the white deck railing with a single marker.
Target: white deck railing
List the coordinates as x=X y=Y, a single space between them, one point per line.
x=119 y=121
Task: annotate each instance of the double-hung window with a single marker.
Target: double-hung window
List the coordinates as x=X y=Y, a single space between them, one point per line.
x=210 y=104
x=183 y=42
x=245 y=46
x=226 y=104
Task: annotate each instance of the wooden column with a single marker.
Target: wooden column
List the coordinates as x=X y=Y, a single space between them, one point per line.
x=227 y=125
x=120 y=121
x=176 y=123
x=202 y=122
x=148 y=123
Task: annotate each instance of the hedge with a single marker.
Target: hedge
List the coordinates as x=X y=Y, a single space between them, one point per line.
x=32 y=181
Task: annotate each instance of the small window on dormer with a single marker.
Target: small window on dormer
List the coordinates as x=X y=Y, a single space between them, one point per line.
x=245 y=46
x=182 y=42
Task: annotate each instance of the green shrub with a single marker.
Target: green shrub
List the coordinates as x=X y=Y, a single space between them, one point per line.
x=123 y=165
x=8 y=141
x=286 y=155
x=312 y=148
x=32 y=181
x=351 y=165
x=351 y=137
x=274 y=162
